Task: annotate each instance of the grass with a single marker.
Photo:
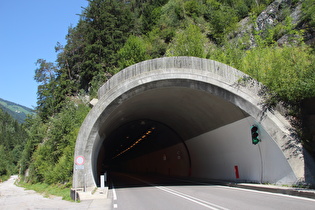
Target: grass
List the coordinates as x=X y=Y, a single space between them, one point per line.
x=4 y=178
x=48 y=190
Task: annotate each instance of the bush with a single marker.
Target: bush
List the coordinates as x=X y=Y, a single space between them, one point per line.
x=287 y=71
x=132 y=52
x=52 y=161
x=189 y=42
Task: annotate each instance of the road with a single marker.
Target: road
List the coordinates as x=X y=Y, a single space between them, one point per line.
x=155 y=193
x=13 y=197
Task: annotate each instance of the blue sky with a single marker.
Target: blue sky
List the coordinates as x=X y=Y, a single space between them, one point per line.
x=30 y=30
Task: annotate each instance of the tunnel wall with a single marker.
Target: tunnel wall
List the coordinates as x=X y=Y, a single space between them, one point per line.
x=221 y=80
x=171 y=161
x=215 y=154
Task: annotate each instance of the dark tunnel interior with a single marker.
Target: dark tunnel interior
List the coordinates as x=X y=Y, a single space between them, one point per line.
x=132 y=140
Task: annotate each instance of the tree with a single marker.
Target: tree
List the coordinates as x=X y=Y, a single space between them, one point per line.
x=45 y=75
x=49 y=149
x=132 y=52
x=36 y=131
x=222 y=19
x=12 y=138
x=92 y=46
x=189 y=42
x=288 y=72
x=108 y=25
x=172 y=13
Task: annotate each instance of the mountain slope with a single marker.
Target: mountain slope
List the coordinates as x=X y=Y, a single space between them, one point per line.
x=17 y=111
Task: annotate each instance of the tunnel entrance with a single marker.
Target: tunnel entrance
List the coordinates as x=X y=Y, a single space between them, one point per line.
x=147 y=129
x=185 y=116
x=142 y=146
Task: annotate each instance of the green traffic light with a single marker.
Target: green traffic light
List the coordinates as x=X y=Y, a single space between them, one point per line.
x=255 y=141
x=254 y=132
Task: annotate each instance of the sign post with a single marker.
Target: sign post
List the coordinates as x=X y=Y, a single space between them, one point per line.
x=79 y=160
x=79 y=165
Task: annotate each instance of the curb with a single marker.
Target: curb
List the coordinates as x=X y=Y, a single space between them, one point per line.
x=287 y=191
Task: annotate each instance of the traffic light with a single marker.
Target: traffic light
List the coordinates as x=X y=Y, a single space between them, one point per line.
x=255 y=138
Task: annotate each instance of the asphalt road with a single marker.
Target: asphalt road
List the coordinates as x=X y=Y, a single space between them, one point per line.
x=139 y=192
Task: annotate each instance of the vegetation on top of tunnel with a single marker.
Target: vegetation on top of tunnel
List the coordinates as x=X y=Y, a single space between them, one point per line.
x=113 y=34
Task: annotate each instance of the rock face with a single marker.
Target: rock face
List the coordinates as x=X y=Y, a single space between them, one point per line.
x=268 y=17
x=274 y=14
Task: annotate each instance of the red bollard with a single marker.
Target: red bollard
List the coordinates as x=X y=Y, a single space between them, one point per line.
x=237 y=175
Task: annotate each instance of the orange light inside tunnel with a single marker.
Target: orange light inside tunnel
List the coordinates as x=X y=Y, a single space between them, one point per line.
x=136 y=142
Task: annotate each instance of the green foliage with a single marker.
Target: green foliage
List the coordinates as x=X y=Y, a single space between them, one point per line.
x=107 y=26
x=49 y=98
x=230 y=53
x=150 y=15
x=47 y=190
x=4 y=162
x=287 y=71
x=12 y=138
x=157 y=43
x=189 y=42
x=193 y=8
x=272 y=34
x=257 y=6
x=132 y=52
x=222 y=19
x=309 y=12
x=52 y=160
x=92 y=46
x=36 y=131
x=172 y=13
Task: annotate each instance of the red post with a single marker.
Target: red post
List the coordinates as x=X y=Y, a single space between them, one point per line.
x=237 y=175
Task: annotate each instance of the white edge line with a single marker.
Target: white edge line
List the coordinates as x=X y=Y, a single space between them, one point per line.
x=114 y=193
x=269 y=193
x=257 y=191
x=114 y=196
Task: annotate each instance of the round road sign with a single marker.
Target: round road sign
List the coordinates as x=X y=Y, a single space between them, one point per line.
x=79 y=160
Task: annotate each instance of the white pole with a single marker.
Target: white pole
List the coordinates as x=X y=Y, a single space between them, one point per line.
x=102 y=182
x=75 y=184
x=84 y=182
x=261 y=165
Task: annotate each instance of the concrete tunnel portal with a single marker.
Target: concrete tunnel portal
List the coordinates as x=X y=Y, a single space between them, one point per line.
x=172 y=115
x=185 y=117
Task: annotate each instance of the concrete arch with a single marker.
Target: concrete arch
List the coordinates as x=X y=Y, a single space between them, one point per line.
x=207 y=105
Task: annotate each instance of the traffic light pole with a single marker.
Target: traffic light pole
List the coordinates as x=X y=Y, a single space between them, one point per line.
x=261 y=165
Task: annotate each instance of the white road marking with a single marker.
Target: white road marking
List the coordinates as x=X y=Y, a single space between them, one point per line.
x=114 y=197
x=114 y=193
x=269 y=193
x=185 y=196
x=252 y=190
x=191 y=198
